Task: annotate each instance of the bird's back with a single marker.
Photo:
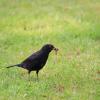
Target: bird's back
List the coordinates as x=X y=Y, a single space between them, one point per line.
x=36 y=61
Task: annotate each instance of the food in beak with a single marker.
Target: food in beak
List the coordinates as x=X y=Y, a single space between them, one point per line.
x=56 y=51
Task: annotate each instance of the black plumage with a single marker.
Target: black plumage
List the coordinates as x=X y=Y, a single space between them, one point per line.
x=37 y=60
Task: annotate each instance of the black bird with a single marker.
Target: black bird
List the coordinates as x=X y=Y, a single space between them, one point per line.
x=37 y=60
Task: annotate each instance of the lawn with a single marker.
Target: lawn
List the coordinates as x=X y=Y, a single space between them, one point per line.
x=71 y=25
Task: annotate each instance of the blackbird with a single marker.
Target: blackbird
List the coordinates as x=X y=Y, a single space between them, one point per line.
x=37 y=60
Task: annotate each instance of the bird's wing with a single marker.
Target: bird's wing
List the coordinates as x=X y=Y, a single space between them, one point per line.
x=33 y=59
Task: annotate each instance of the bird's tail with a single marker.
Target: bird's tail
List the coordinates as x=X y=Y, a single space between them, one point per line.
x=13 y=66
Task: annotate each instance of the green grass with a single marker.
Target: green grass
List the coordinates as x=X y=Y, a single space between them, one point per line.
x=71 y=25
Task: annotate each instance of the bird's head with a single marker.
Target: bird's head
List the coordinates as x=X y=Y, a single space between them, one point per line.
x=49 y=48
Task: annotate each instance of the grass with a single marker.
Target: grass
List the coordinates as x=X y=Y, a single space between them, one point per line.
x=73 y=27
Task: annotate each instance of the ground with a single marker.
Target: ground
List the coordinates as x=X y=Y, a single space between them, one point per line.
x=71 y=25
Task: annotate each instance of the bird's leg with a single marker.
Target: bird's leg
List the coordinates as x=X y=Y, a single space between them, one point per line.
x=37 y=73
x=29 y=75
